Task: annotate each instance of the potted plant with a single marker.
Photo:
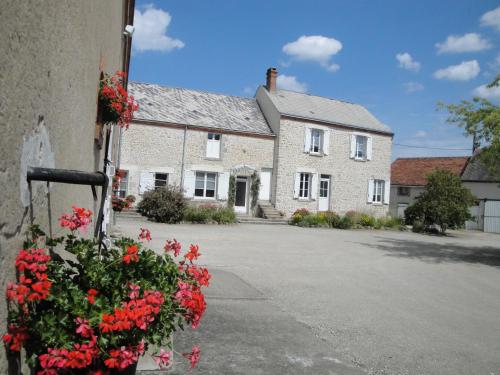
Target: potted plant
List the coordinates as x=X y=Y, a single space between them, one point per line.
x=91 y=310
x=115 y=105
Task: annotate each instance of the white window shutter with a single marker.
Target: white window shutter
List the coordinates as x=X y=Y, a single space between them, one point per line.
x=326 y=142
x=369 y=148
x=223 y=186
x=296 y=186
x=353 y=146
x=387 y=191
x=314 y=186
x=307 y=140
x=189 y=181
x=147 y=182
x=213 y=149
x=371 y=184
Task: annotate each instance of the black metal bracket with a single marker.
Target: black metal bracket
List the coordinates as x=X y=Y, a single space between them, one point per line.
x=68 y=176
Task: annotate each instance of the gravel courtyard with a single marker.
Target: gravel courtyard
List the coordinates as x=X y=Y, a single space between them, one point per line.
x=289 y=300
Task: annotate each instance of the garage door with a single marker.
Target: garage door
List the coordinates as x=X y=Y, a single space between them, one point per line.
x=492 y=216
x=473 y=224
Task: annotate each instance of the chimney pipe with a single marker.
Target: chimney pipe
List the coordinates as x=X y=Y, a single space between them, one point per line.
x=271 y=77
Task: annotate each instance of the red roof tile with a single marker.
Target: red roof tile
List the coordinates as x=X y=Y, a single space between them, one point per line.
x=414 y=171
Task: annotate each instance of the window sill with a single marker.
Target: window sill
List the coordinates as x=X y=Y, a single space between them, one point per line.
x=317 y=154
x=305 y=199
x=360 y=159
x=204 y=199
x=214 y=159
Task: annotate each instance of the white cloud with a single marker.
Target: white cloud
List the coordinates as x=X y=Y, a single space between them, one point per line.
x=487 y=92
x=491 y=18
x=407 y=62
x=290 y=83
x=471 y=42
x=413 y=86
x=461 y=72
x=315 y=48
x=420 y=134
x=151 y=31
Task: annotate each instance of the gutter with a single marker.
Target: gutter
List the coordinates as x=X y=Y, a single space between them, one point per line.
x=183 y=156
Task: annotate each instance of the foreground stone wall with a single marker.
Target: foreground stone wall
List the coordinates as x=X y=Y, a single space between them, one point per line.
x=349 y=178
x=52 y=53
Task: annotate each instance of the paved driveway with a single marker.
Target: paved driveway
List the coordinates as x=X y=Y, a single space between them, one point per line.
x=334 y=301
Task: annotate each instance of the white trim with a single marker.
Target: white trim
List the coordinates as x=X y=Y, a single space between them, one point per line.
x=206 y=168
x=306 y=170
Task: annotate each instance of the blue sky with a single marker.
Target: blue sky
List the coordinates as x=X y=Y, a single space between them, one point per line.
x=397 y=58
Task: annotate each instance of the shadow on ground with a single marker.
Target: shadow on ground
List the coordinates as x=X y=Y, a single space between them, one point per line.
x=438 y=253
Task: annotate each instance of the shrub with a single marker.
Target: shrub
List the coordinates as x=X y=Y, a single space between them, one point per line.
x=367 y=220
x=445 y=202
x=332 y=219
x=346 y=222
x=315 y=220
x=224 y=215
x=164 y=205
x=130 y=198
x=298 y=215
x=209 y=213
x=393 y=222
x=418 y=226
x=198 y=215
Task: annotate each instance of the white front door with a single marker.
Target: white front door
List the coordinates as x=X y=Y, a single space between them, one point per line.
x=240 y=201
x=324 y=193
x=265 y=185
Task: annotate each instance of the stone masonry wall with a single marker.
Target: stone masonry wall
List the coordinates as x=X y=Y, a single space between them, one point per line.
x=159 y=149
x=349 y=178
x=52 y=53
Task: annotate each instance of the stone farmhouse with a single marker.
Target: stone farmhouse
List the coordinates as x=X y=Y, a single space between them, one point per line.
x=308 y=151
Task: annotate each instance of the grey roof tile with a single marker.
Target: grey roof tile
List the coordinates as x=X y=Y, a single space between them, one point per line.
x=326 y=110
x=476 y=170
x=198 y=108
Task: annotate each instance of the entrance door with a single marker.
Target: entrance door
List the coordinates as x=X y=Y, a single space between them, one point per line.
x=265 y=185
x=324 y=193
x=240 y=202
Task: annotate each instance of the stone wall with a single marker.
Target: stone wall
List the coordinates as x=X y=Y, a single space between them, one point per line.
x=52 y=53
x=158 y=148
x=415 y=191
x=349 y=178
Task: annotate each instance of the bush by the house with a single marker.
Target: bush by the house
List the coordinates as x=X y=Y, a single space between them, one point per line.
x=445 y=202
x=351 y=220
x=206 y=214
x=164 y=205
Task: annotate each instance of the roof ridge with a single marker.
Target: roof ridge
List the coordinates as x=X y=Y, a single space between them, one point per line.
x=194 y=90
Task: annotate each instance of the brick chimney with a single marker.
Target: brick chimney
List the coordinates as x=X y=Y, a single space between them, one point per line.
x=271 y=77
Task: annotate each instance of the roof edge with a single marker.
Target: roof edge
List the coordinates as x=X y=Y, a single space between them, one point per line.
x=325 y=122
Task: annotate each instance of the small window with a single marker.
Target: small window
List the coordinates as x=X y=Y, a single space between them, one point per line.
x=121 y=192
x=213 y=146
x=361 y=142
x=304 y=188
x=378 y=191
x=161 y=180
x=205 y=185
x=404 y=191
x=316 y=141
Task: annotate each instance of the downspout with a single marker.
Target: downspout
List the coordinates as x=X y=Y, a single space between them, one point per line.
x=183 y=156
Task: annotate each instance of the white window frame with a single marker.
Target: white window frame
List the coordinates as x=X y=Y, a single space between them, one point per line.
x=316 y=141
x=305 y=186
x=205 y=181
x=123 y=182
x=213 y=138
x=358 y=149
x=378 y=191
x=156 y=186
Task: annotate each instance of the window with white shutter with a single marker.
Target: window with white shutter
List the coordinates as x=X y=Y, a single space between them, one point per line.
x=205 y=183
x=304 y=186
x=213 y=146
x=378 y=191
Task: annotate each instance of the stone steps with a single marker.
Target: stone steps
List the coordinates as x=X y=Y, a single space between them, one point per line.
x=269 y=212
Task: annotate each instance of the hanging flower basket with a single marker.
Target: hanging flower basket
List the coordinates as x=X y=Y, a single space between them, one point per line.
x=97 y=313
x=116 y=105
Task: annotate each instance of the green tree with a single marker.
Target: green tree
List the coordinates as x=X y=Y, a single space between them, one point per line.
x=481 y=119
x=445 y=202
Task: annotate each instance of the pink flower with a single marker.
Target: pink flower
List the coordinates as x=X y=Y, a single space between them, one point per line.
x=173 y=246
x=194 y=356
x=162 y=359
x=80 y=219
x=145 y=234
x=83 y=328
x=134 y=294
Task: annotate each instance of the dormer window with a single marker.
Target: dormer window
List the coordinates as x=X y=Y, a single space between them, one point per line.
x=213 y=146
